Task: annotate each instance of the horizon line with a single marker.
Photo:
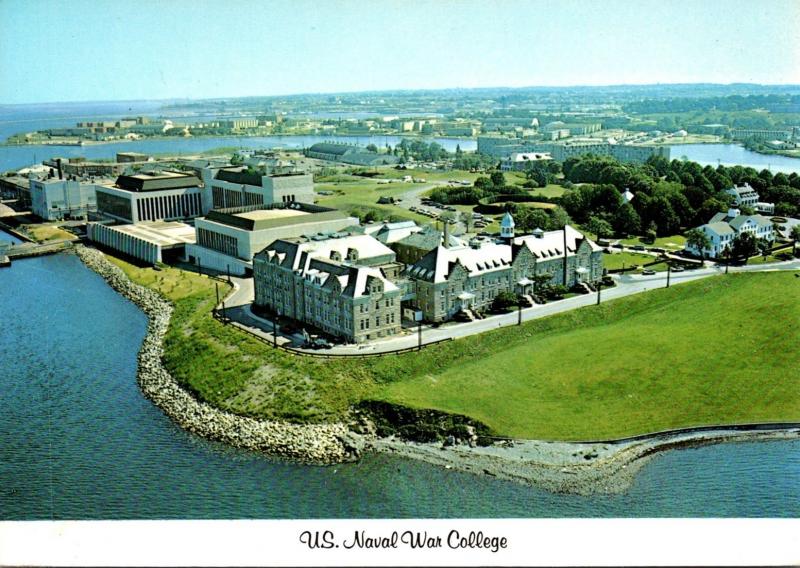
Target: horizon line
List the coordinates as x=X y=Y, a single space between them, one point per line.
x=406 y=90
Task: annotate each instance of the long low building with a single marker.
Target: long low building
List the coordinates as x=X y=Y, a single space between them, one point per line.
x=148 y=241
x=227 y=239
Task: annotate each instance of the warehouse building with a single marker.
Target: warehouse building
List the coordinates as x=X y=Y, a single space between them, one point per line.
x=55 y=199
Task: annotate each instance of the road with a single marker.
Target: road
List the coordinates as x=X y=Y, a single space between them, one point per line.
x=239 y=301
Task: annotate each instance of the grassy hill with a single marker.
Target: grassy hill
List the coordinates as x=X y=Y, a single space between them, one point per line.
x=718 y=350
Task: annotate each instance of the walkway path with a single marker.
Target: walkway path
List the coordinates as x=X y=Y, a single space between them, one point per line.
x=238 y=304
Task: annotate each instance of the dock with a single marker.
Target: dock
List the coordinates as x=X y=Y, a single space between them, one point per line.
x=4 y=261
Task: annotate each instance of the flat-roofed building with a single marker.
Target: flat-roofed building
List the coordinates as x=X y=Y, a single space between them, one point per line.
x=335 y=284
x=227 y=239
x=151 y=196
x=148 y=241
x=56 y=199
x=240 y=186
x=520 y=161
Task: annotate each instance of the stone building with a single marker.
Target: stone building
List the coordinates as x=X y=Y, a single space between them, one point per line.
x=450 y=280
x=337 y=285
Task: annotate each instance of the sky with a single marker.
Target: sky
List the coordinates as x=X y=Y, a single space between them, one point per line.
x=88 y=50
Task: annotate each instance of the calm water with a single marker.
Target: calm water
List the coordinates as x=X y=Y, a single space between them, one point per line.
x=6 y=238
x=78 y=441
x=731 y=155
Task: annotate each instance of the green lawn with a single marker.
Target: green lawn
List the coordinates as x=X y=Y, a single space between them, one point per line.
x=673 y=242
x=721 y=350
x=614 y=261
x=671 y=357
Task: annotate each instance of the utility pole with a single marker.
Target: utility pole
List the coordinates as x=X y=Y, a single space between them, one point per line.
x=419 y=335
x=224 y=313
x=599 y=287
x=229 y=274
x=216 y=286
x=199 y=267
x=519 y=311
x=669 y=272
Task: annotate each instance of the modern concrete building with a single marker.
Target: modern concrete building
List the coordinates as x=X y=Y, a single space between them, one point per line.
x=228 y=239
x=762 y=135
x=148 y=241
x=56 y=199
x=463 y=279
x=241 y=186
x=151 y=196
x=336 y=285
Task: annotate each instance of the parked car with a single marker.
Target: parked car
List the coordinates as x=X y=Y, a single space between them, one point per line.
x=678 y=269
x=638 y=247
x=648 y=272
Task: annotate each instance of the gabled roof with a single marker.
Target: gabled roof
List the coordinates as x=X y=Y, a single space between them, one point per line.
x=551 y=243
x=719 y=228
x=437 y=265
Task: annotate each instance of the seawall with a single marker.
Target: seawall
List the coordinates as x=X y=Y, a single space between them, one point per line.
x=316 y=443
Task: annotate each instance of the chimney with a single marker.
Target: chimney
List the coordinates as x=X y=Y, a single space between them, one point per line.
x=58 y=165
x=446 y=236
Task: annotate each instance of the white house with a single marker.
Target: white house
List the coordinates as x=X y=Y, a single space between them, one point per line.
x=724 y=227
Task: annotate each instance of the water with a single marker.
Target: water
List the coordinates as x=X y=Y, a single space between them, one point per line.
x=80 y=442
x=732 y=154
x=6 y=238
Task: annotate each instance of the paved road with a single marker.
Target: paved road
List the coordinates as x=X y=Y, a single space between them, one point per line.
x=239 y=302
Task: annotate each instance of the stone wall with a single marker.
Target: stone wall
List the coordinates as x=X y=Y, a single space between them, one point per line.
x=317 y=443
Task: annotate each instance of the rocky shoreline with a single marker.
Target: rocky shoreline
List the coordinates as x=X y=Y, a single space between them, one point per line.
x=319 y=444
x=571 y=467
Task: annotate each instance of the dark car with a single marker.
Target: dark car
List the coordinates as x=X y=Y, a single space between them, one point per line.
x=638 y=247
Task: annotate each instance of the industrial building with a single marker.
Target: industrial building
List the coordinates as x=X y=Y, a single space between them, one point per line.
x=243 y=186
x=55 y=199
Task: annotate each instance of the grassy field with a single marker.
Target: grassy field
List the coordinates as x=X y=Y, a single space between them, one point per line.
x=616 y=260
x=673 y=242
x=47 y=233
x=678 y=357
x=721 y=350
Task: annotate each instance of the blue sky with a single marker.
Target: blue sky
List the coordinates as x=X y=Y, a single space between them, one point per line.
x=118 y=50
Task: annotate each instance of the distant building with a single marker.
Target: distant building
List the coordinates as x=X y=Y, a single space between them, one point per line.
x=762 y=135
x=520 y=161
x=56 y=199
x=349 y=154
x=239 y=123
x=151 y=196
x=335 y=285
x=128 y=157
x=228 y=239
x=503 y=147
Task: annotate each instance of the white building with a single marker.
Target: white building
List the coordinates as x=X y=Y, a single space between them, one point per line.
x=519 y=161
x=56 y=199
x=743 y=195
x=724 y=227
x=229 y=239
x=148 y=241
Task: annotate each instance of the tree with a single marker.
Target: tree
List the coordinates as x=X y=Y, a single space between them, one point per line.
x=372 y=148
x=698 y=240
x=744 y=246
x=626 y=220
x=795 y=236
x=764 y=247
x=498 y=179
x=599 y=227
x=504 y=301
